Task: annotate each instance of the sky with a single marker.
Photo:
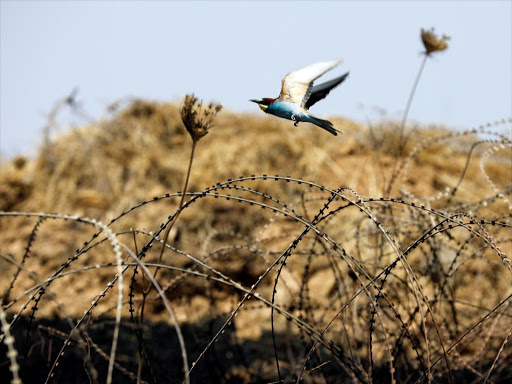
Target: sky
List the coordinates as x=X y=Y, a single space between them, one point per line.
x=236 y=51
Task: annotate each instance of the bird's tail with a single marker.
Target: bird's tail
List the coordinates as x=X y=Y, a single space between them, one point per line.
x=325 y=124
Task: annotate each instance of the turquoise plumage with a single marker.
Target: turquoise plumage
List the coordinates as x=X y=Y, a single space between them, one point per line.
x=298 y=94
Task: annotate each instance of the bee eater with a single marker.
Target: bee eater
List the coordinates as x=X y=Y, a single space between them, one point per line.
x=298 y=94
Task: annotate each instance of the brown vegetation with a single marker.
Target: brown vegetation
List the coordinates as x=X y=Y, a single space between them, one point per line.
x=431 y=258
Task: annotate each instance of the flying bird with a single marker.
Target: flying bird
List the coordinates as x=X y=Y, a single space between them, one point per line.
x=298 y=94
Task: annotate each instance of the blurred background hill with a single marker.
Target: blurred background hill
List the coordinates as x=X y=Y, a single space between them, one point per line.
x=140 y=151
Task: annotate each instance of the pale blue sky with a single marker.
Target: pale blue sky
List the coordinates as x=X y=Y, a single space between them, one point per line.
x=234 y=51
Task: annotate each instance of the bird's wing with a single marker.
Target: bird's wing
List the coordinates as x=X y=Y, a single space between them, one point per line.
x=297 y=86
x=320 y=91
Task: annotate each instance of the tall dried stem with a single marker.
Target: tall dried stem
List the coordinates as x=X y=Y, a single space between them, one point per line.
x=198 y=122
x=432 y=44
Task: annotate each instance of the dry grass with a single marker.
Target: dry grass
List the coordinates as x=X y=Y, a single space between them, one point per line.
x=402 y=279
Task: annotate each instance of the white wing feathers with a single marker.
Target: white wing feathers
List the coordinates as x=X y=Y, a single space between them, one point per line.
x=296 y=86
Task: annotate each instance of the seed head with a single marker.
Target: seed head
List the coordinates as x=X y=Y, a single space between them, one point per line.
x=196 y=118
x=432 y=43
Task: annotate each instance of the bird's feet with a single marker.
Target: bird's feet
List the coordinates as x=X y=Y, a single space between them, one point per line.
x=296 y=124
x=296 y=121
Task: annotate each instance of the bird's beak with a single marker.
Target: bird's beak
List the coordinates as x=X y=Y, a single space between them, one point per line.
x=262 y=106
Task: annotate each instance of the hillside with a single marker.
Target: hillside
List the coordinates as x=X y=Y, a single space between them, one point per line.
x=344 y=256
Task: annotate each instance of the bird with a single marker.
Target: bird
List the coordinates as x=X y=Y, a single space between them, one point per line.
x=298 y=94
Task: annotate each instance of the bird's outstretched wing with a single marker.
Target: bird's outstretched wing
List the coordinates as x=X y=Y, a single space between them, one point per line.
x=320 y=91
x=297 y=86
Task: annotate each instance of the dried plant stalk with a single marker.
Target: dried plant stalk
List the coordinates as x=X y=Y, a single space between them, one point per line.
x=198 y=121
